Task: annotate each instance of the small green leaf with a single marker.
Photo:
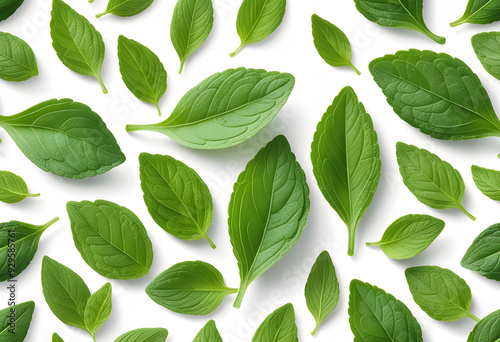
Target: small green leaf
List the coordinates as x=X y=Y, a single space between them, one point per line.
x=190 y=287
x=279 y=326
x=177 y=198
x=8 y=7
x=17 y=59
x=18 y=317
x=442 y=294
x=208 y=333
x=126 y=8
x=322 y=289
x=144 y=335
x=331 y=43
x=487 y=330
x=483 y=255
x=98 y=309
x=13 y=188
x=433 y=181
x=409 y=235
x=480 y=12
x=488 y=181
x=487 y=48
x=56 y=338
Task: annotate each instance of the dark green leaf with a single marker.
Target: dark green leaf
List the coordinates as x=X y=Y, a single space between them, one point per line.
x=17 y=59
x=279 y=326
x=8 y=7
x=15 y=322
x=126 y=8
x=144 y=335
x=488 y=181
x=13 y=188
x=98 y=309
x=480 y=12
x=487 y=330
x=208 y=333
x=483 y=256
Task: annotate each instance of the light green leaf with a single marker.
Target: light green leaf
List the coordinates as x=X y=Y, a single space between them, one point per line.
x=225 y=109
x=483 y=255
x=442 y=294
x=375 y=315
x=126 y=8
x=13 y=188
x=17 y=59
x=208 y=333
x=257 y=19
x=267 y=212
x=346 y=159
x=487 y=48
x=331 y=43
x=78 y=44
x=111 y=239
x=190 y=287
x=18 y=318
x=23 y=238
x=409 y=235
x=144 y=335
x=98 y=309
x=488 y=181
x=279 y=326
x=322 y=289
x=487 y=330
x=8 y=7
x=142 y=71
x=436 y=93
x=56 y=338
x=191 y=24
x=64 y=137
x=177 y=198
x=480 y=12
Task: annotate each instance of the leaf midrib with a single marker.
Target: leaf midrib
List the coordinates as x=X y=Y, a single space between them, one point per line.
x=16 y=320
x=375 y=315
x=243 y=41
x=473 y=14
x=18 y=63
x=38 y=232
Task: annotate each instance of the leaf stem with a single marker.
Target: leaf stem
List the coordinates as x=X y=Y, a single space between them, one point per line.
x=458 y=22
x=158 y=108
x=50 y=223
x=241 y=293
x=315 y=328
x=232 y=54
x=102 y=14
x=355 y=69
x=32 y=195
x=472 y=316
x=352 y=240
x=181 y=67
x=469 y=215
x=101 y=83
x=134 y=128
x=434 y=37
x=209 y=241
x=373 y=243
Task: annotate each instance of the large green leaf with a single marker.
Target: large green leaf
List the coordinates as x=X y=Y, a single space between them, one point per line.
x=15 y=322
x=488 y=181
x=208 y=333
x=98 y=309
x=13 y=188
x=267 y=212
x=487 y=330
x=144 y=335
x=487 y=48
x=346 y=159
x=480 y=12
x=483 y=255
x=17 y=60
x=8 y=7
x=279 y=326
x=126 y=8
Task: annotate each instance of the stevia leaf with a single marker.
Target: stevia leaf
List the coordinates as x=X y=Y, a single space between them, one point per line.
x=191 y=24
x=436 y=93
x=322 y=289
x=480 y=12
x=483 y=255
x=208 y=333
x=267 y=212
x=279 y=326
x=403 y=14
x=144 y=335
x=346 y=159
x=409 y=235
x=375 y=315
x=64 y=137
x=225 y=109
x=433 y=181
x=126 y=8
x=331 y=43
x=487 y=48
x=18 y=318
x=17 y=59
x=24 y=238
x=111 y=239
x=13 y=188
x=442 y=294
x=78 y=44
x=98 y=309
x=190 y=287
x=8 y=7
x=257 y=19
x=177 y=198
x=56 y=338
x=65 y=292
x=487 y=330
x=488 y=181
x=142 y=71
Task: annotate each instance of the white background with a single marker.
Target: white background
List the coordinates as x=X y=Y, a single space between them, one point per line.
x=289 y=49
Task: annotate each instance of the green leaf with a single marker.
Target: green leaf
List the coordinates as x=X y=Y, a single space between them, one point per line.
x=142 y=71
x=375 y=315
x=208 y=333
x=190 y=287
x=17 y=318
x=483 y=255
x=17 y=59
x=409 y=235
x=144 y=335
x=487 y=48
x=126 y=8
x=111 y=239
x=346 y=159
x=257 y=19
x=225 y=109
x=98 y=309
x=78 y=44
x=56 y=338
x=331 y=43
x=64 y=137
x=480 y=12
x=403 y=14
x=8 y=7
x=322 y=289
x=23 y=238
x=177 y=198
x=65 y=293
x=487 y=330
x=442 y=294
x=488 y=181
x=436 y=93
x=433 y=181
x=13 y=188
x=191 y=24
x=279 y=326
x=267 y=212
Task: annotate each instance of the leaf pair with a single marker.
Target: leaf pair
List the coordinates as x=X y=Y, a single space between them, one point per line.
x=279 y=326
x=126 y=8
x=18 y=316
x=70 y=300
x=483 y=255
x=17 y=59
x=13 y=188
x=480 y=12
x=144 y=335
